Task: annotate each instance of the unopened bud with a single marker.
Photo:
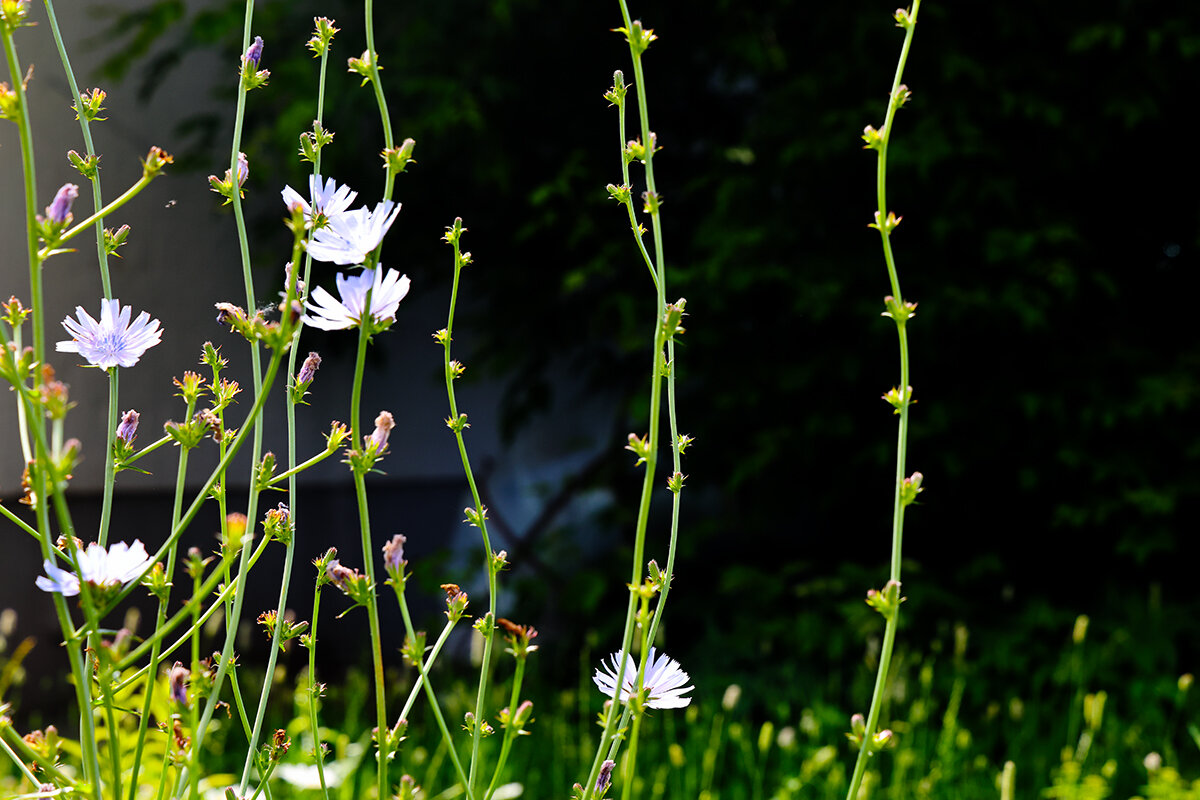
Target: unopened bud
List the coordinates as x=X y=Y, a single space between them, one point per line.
x=60 y=210
x=254 y=52
x=127 y=429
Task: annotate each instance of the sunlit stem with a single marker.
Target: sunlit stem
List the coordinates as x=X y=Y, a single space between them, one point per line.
x=489 y=633
x=85 y=128
x=889 y=634
x=658 y=269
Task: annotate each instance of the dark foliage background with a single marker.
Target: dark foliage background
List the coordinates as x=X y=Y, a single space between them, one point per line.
x=1045 y=176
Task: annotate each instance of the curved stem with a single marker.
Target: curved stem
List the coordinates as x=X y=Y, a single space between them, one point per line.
x=510 y=732
x=490 y=564
x=130 y=193
x=423 y=680
x=156 y=647
x=889 y=635
x=658 y=268
x=384 y=117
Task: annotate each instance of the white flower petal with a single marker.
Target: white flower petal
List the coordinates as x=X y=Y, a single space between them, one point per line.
x=113 y=341
x=663 y=680
x=331 y=314
x=116 y=566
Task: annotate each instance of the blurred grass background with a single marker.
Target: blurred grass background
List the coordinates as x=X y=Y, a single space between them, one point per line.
x=1051 y=238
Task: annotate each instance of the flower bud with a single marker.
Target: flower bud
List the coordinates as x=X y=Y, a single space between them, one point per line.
x=1081 y=627
x=393 y=556
x=605 y=777
x=254 y=52
x=178 y=680
x=858 y=726
x=60 y=209
x=127 y=429
x=243 y=165
x=278 y=524
x=377 y=441
x=154 y=162
x=308 y=370
x=338 y=575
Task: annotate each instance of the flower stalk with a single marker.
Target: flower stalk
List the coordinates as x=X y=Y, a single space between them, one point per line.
x=888 y=601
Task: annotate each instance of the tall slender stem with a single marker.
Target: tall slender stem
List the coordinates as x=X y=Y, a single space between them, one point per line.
x=658 y=370
x=480 y=519
x=160 y=618
x=364 y=521
x=884 y=224
x=85 y=129
x=25 y=127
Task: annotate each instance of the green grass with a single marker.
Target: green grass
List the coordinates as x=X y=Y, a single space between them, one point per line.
x=954 y=705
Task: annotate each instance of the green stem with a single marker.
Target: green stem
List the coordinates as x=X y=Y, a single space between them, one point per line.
x=231 y=627
x=658 y=269
x=130 y=193
x=29 y=776
x=423 y=680
x=296 y=470
x=15 y=744
x=20 y=523
x=889 y=634
x=80 y=671
x=150 y=448
x=85 y=128
x=384 y=118
x=426 y=666
x=313 y=723
x=360 y=493
x=160 y=618
x=114 y=734
x=510 y=731
x=289 y=555
x=364 y=521
x=25 y=129
x=109 y=465
x=489 y=633
x=250 y=425
x=360 y=488
x=631 y=758
x=238 y=702
x=224 y=596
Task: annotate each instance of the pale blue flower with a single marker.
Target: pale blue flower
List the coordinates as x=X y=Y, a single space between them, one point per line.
x=331 y=314
x=102 y=568
x=328 y=200
x=113 y=341
x=352 y=235
x=663 y=684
